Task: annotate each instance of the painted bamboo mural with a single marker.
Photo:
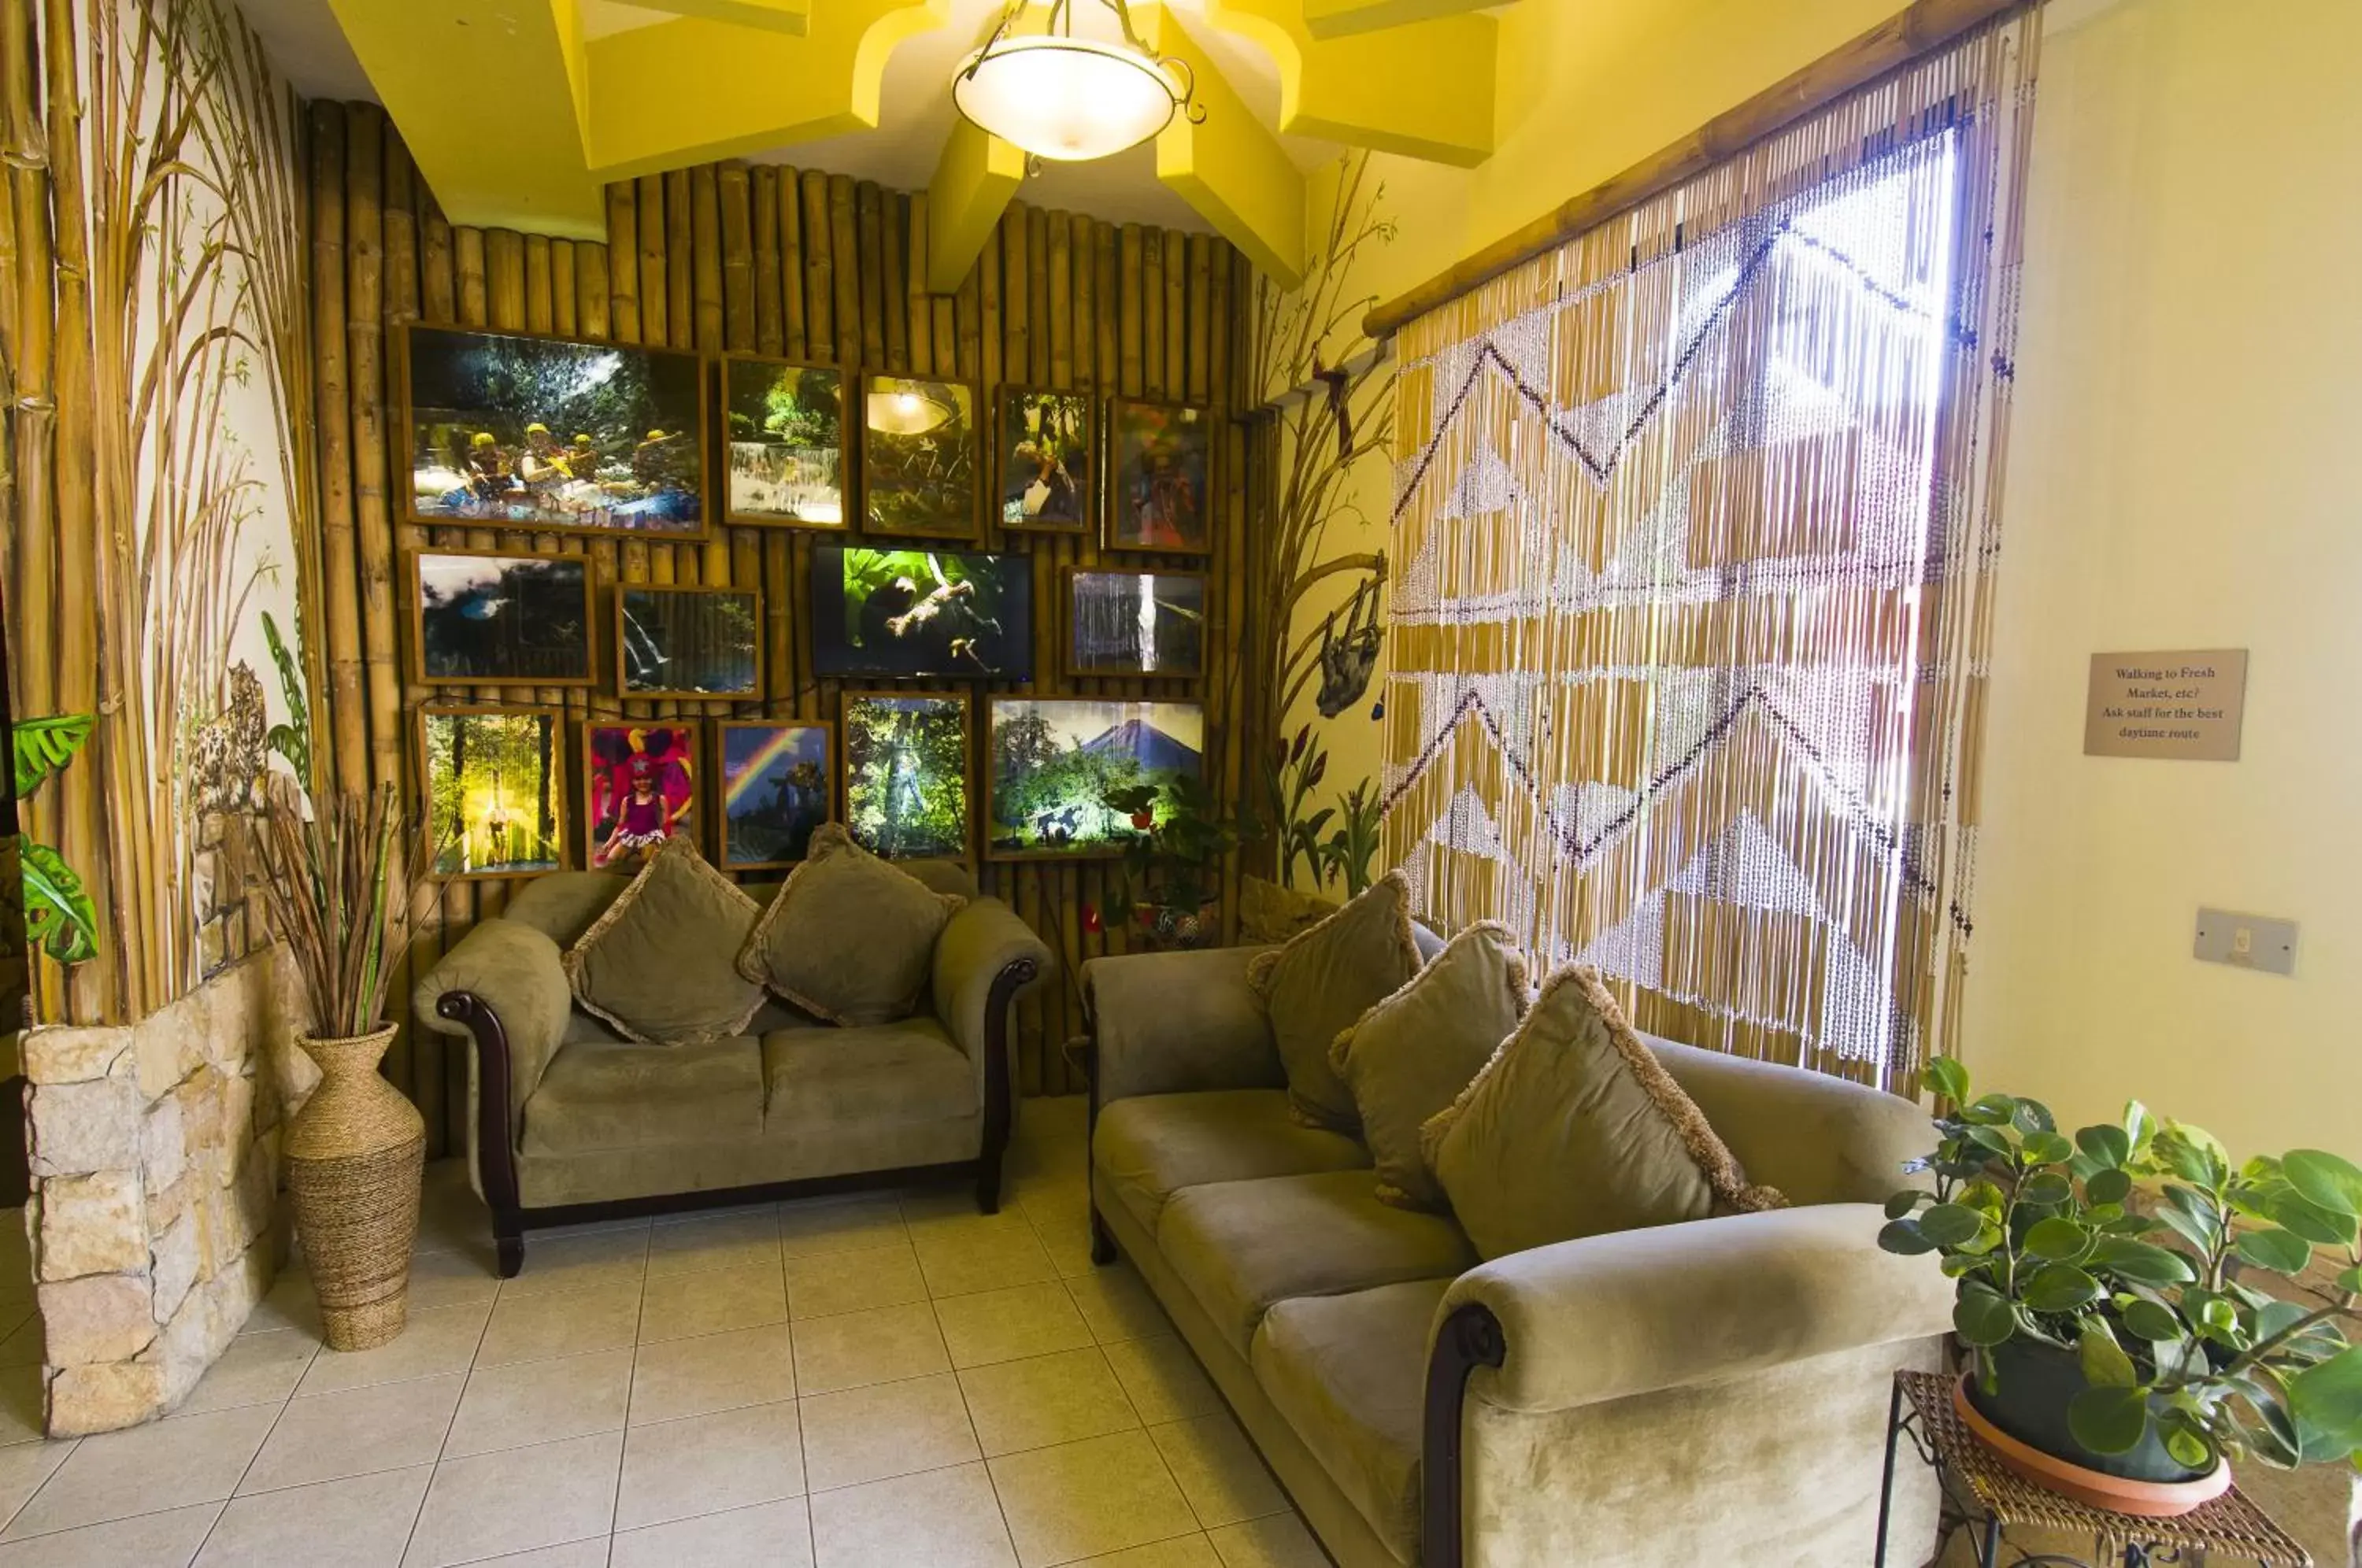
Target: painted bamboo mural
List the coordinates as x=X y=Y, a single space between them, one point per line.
x=761 y=260
x=161 y=528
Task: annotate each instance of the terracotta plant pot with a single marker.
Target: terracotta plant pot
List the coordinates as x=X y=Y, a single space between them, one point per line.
x=2117 y=1493
x=355 y=1154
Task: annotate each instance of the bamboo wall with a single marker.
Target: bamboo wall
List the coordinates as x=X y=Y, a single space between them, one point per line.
x=773 y=261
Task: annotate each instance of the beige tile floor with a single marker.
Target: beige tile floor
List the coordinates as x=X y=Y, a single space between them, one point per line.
x=891 y=1381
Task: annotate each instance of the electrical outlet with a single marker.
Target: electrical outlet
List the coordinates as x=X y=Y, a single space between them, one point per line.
x=2245 y=941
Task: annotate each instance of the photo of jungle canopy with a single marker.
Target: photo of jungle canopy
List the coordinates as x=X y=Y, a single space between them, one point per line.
x=786 y=443
x=502 y=620
x=1044 y=448
x=1136 y=622
x=933 y=613
x=919 y=457
x=640 y=781
x=495 y=782
x=1159 y=477
x=776 y=780
x=1052 y=763
x=688 y=642
x=906 y=775
x=543 y=432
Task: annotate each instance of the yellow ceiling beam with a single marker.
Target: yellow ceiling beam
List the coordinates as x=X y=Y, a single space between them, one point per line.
x=1230 y=169
x=691 y=90
x=792 y=17
x=1423 y=89
x=975 y=179
x=1343 y=19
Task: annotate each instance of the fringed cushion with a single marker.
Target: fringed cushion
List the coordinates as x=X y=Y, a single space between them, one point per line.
x=1323 y=979
x=1572 y=1128
x=657 y=965
x=1408 y=1057
x=849 y=938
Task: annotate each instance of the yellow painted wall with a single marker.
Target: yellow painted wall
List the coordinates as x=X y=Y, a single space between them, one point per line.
x=2184 y=473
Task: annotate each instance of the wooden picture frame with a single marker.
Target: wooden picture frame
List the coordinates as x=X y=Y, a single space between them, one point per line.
x=423 y=669
x=497 y=841
x=981 y=630
x=634 y=644
x=916 y=400
x=760 y=764
x=1131 y=721
x=1136 y=498
x=625 y=453
x=1072 y=663
x=1076 y=463
x=627 y=846
x=846 y=450
x=851 y=805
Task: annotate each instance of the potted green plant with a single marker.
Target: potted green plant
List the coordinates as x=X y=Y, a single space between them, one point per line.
x=2139 y=1310
x=1173 y=859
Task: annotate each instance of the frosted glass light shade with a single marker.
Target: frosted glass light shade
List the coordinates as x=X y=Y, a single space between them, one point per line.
x=903 y=411
x=1064 y=98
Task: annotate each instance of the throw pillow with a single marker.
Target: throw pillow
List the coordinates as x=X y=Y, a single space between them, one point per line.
x=849 y=938
x=657 y=965
x=1573 y=1128
x=1409 y=1056
x=1324 y=978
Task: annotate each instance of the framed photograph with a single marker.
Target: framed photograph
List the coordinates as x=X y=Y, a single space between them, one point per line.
x=1135 y=623
x=906 y=782
x=494 y=790
x=779 y=780
x=1041 y=455
x=639 y=788
x=919 y=457
x=1159 y=470
x=785 y=445
x=510 y=430
x=1049 y=764
x=922 y=612
x=688 y=642
x=487 y=619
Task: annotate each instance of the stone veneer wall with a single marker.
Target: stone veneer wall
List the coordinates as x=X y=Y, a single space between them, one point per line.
x=157 y=1220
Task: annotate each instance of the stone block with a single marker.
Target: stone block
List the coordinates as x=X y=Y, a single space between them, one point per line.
x=170 y=1041
x=71 y=1053
x=82 y=1127
x=211 y=950
x=205 y=886
x=229 y=1041
x=92 y=1224
x=176 y=1265
x=210 y=829
x=257 y=926
x=106 y=1317
x=162 y=1145
x=104 y=1399
x=234 y=1121
x=166 y=1206
x=258 y=1191
x=200 y=1100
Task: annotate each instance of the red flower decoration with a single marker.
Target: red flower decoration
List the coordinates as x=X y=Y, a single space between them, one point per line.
x=1090 y=917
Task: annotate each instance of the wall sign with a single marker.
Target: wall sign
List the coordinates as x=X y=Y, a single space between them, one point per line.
x=2180 y=706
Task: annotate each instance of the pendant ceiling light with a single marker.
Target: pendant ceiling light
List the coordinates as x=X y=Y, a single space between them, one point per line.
x=906 y=412
x=1055 y=95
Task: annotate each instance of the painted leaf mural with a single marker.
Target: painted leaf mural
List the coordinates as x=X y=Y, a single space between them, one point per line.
x=43 y=747
x=60 y=918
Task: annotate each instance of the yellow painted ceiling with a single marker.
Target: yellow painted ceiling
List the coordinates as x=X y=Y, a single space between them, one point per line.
x=519 y=111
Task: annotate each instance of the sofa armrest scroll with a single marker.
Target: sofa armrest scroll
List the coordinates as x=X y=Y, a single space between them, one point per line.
x=504 y=987
x=986 y=959
x=1606 y=1316
x=1176 y=1023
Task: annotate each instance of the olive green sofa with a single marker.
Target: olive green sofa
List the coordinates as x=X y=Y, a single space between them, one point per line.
x=568 y=1122
x=1712 y=1392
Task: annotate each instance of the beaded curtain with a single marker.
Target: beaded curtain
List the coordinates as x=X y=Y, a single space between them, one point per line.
x=1700 y=519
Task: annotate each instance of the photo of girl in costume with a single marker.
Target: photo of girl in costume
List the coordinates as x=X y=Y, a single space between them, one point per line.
x=643 y=787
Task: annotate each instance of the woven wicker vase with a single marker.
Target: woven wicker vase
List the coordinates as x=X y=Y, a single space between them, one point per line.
x=354 y=1156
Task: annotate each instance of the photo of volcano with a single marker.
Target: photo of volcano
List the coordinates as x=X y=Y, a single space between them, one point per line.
x=1052 y=762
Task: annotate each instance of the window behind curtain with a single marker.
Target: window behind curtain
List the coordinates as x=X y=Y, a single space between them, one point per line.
x=1699 y=518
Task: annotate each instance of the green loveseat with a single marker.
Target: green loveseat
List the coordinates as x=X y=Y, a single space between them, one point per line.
x=568 y=1122
x=1711 y=1392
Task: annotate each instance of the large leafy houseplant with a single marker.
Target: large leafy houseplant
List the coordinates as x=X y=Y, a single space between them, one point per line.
x=1172 y=860
x=2170 y=1275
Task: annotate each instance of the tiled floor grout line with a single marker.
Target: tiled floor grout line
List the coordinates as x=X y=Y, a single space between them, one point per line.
x=435 y=1466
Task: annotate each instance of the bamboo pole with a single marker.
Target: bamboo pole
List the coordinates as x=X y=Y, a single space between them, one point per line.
x=869 y=247
x=681 y=267
x=365 y=376
x=797 y=224
x=333 y=408
x=540 y=307
x=919 y=308
x=844 y=233
x=564 y=296
x=735 y=197
x=763 y=221
x=648 y=201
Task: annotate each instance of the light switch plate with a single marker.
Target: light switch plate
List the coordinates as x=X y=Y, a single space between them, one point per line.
x=2245 y=941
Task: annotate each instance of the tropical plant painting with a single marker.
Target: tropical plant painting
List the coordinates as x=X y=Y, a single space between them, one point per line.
x=786 y=444
x=495 y=788
x=1044 y=447
x=776 y=782
x=494 y=620
x=1053 y=765
x=919 y=457
x=935 y=613
x=641 y=783
x=543 y=432
x=906 y=774
x=60 y=917
x=1159 y=479
x=1137 y=623
x=689 y=642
